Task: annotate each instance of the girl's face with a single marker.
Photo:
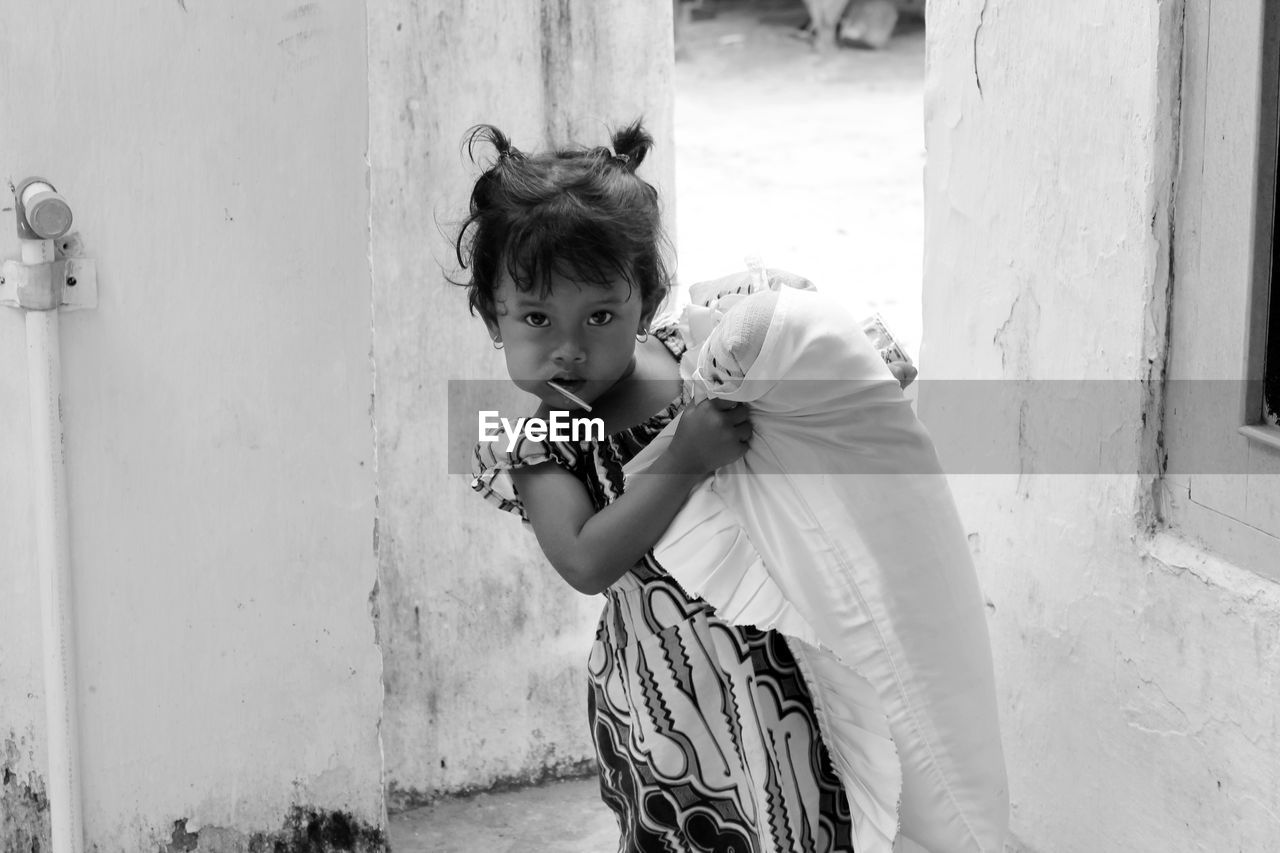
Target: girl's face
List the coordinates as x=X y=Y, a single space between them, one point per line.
x=582 y=335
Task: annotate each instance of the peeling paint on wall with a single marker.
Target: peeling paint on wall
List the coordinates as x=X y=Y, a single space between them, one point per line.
x=305 y=830
x=548 y=768
x=977 y=32
x=24 y=807
x=1159 y=296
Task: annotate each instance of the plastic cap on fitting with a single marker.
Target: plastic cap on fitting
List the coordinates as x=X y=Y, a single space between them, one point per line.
x=43 y=214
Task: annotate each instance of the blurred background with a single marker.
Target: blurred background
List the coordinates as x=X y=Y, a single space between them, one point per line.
x=812 y=159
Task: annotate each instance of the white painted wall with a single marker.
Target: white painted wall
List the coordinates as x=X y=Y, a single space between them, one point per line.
x=485 y=646
x=221 y=465
x=1138 y=672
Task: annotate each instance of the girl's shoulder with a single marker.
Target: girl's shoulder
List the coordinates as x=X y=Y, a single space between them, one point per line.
x=667 y=329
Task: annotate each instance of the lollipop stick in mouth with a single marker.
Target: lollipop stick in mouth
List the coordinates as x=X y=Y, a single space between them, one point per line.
x=583 y=404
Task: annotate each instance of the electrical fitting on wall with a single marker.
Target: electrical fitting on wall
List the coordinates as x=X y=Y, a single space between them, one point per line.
x=45 y=278
x=42 y=282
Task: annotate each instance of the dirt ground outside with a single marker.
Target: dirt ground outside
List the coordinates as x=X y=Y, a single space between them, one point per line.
x=813 y=162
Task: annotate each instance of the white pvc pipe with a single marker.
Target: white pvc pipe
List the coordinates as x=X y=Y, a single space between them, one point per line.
x=53 y=548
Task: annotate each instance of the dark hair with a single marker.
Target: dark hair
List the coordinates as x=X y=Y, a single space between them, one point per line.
x=576 y=211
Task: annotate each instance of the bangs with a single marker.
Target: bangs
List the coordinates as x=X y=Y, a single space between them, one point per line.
x=544 y=245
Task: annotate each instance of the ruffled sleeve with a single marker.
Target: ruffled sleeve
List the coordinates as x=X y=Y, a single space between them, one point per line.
x=492 y=463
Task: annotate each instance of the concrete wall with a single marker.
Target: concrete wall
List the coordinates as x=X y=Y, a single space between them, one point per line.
x=1137 y=670
x=484 y=646
x=221 y=467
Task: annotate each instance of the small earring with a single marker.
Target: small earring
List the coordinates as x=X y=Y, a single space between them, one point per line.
x=497 y=343
x=642 y=336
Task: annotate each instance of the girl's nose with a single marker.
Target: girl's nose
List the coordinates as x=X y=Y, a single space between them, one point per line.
x=569 y=351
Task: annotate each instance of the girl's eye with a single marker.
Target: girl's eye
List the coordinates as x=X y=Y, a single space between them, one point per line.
x=601 y=318
x=538 y=321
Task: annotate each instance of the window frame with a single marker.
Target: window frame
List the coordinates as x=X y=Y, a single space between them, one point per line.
x=1262 y=423
x=1221 y=485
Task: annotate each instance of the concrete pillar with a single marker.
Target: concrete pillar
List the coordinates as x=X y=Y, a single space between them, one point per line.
x=485 y=646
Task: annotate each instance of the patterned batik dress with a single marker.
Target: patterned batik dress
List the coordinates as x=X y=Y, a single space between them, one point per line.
x=705 y=732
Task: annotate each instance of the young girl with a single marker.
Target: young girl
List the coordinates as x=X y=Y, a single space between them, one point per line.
x=705 y=732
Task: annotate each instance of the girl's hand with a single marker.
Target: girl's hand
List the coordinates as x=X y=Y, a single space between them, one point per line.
x=591 y=549
x=711 y=433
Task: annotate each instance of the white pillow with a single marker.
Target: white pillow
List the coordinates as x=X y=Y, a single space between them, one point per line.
x=838 y=529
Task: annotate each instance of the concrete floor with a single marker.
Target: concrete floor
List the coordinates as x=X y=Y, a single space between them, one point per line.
x=559 y=817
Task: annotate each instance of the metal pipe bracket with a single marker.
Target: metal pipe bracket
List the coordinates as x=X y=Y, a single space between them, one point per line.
x=68 y=284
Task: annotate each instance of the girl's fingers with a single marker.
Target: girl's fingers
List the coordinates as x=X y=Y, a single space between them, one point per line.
x=736 y=412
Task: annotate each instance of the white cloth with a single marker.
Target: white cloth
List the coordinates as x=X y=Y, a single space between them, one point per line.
x=838 y=529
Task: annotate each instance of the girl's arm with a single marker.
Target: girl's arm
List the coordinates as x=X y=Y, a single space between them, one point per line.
x=590 y=549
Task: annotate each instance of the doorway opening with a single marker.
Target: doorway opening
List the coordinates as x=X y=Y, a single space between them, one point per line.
x=811 y=159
